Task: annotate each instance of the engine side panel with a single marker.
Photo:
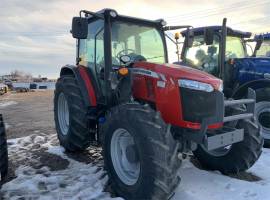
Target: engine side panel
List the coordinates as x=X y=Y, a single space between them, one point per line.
x=162 y=90
x=250 y=69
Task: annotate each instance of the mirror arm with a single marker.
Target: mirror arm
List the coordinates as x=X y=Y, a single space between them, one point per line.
x=100 y=16
x=177 y=47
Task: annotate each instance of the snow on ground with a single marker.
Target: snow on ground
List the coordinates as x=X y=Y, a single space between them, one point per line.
x=7 y=103
x=79 y=180
x=200 y=184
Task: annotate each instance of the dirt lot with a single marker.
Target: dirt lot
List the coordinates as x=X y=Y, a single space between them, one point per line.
x=29 y=112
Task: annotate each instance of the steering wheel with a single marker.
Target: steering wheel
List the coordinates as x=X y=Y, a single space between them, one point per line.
x=124 y=52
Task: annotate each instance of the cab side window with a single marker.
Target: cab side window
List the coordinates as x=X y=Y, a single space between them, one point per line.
x=91 y=51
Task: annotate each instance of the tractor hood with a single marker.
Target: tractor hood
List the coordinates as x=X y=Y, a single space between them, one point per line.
x=176 y=72
x=248 y=69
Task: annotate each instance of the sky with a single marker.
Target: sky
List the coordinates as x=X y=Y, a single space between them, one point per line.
x=35 y=34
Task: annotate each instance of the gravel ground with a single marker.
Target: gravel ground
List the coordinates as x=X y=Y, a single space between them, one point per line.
x=26 y=113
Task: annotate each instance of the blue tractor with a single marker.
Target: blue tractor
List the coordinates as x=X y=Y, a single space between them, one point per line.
x=221 y=51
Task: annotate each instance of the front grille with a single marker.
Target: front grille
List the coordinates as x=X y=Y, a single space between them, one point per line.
x=197 y=105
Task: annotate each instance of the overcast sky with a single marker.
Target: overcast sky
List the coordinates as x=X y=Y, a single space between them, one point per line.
x=35 y=38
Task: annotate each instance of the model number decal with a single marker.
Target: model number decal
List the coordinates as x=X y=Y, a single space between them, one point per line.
x=145 y=72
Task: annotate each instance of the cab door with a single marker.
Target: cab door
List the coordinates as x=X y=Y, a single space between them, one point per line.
x=91 y=56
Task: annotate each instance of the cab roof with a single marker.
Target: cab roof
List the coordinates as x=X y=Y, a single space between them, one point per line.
x=265 y=36
x=231 y=32
x=129 y=18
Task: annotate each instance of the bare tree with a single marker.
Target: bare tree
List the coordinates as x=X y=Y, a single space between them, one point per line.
x=21 y=75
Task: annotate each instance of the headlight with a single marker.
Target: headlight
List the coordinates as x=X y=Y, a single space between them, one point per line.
x=195 y=85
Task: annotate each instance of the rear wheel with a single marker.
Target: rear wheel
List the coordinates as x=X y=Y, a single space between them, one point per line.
x=140 y=154
x=70 y=115
x=3 y=152
x=236 y=157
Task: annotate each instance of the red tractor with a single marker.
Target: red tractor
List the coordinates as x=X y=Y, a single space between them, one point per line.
x=123 y=95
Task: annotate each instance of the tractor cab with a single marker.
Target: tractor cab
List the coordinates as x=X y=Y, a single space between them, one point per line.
x=205 y=52
x=222 y=52
x=107 y=41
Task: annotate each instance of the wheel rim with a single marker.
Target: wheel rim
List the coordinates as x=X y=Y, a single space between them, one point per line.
x=63 y=114
x=124 y=157
x=263 y=119
x=220 y=151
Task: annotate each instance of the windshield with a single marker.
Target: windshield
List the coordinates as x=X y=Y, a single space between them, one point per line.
x=202 y=56
x=264 y=50
x=141 y=43
x=234 y=48
x=206 y=57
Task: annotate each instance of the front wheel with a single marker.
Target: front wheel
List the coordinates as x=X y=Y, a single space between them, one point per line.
x=262 y=115
x=140 y=154
x=236 y=157
x=70 y=115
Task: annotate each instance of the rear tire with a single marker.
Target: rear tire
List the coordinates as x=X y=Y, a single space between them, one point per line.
x=70 y=115
x=156 y=153
x=3 y=152
x=240 y=157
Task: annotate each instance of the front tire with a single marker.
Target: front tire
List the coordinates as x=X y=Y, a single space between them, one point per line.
x=144 y=166
x=239 y=156
x=70 y=115
x=3 y=151
x=262 y=116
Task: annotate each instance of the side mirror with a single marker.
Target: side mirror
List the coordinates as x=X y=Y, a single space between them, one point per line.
x=189 y=38
x=79 y=27
x=208 y=36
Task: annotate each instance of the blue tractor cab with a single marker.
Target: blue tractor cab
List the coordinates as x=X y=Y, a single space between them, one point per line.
x=221 y=51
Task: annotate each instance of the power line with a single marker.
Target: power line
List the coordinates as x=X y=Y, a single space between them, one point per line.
x=230 y=8
x=205 y=14
x=206 y=10
x=264 y=18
